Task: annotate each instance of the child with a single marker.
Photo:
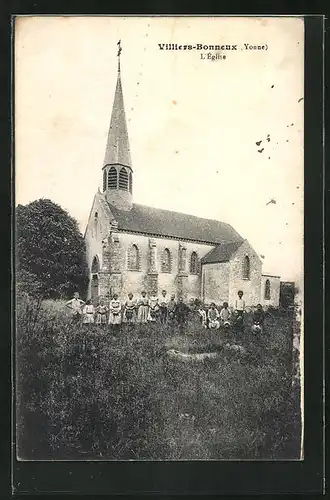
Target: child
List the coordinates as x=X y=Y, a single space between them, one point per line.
x=76 y=305
x=143 y=308
x=213 y=317
x=129 y=315
x=101 y=313
x=225 y=315
x=202 y=316
x=153 y=307
x=239 y=312
x=88 y=313
x=163 y=308
x=258 y=320
x=115 y=312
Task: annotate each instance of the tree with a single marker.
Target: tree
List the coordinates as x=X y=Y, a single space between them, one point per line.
x=50 y=248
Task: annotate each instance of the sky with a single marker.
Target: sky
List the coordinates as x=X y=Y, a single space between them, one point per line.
x=193 y=123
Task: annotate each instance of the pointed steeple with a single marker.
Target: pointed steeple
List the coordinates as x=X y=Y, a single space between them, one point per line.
x=117 y=148
x=117 y=165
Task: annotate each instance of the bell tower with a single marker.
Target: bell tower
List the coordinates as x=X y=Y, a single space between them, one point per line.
x=117 y=165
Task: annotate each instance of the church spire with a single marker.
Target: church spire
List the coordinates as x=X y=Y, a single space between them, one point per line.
x=117 y=149
x=117 y=165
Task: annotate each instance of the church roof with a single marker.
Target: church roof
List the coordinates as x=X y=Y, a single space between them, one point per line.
x=222 y=252
x=117 y=148
x=159 y=222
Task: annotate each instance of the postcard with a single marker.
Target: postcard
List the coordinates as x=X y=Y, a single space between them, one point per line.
x=159 y=238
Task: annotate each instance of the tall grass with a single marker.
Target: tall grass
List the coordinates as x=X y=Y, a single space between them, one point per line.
x=84 y=393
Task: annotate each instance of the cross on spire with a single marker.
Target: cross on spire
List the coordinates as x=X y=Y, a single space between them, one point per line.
x=118 y=54
x=117 y=148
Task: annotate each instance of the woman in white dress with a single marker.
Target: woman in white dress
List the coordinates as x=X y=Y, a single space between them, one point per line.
x=143 y=308
x=88 y=313
x=115 y=312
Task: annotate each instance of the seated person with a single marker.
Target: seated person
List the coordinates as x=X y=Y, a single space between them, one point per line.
x=213 y=317
x=258 y=319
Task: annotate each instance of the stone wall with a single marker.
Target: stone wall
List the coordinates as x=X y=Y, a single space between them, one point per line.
x=150 y=274
x=251 y=287
x=215 y=283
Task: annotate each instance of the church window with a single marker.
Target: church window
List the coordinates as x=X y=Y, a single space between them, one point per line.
x=267 y=290
x=133 y=258
x=193 y=263
x=166 y=261
x=95 y=265
x=112 y=178
x=130 y=182
x=95 y=221
x=246 y=268
x=104 y=180
x=123 y=179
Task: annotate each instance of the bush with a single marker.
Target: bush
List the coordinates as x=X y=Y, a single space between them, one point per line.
x=50 y=250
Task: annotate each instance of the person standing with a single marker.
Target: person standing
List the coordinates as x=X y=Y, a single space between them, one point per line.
x=129 y=315
x=101 y=313
x=163 y=308
x=181 y=312
x=202 y=316
x=88 y=313
x=171 y=306
x=153 y=307
x=143 y=309
x=76 y=305
x=115 y=313
x=239 y=312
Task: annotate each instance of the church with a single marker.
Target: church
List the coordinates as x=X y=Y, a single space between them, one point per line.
x=132 y=247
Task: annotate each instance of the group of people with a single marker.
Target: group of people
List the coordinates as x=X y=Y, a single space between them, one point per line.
x=163 y=310
x=145 y=310
x=214 y=319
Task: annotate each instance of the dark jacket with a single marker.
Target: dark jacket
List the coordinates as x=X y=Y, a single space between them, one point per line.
x=258 y=317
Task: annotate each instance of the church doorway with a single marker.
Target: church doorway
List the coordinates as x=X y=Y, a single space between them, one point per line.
x=95 y=289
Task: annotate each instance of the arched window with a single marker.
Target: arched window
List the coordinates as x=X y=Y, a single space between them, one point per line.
x=112 y=178
x=123 y=179
x=95 y=265
x=104 y=180
x=267 y=290
x=95 y=221
x=166 y=261
x=246 y=268
x=193 y=263
x=130 y=182
x=133 y=258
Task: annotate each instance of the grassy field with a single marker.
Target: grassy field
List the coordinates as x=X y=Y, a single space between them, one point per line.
x=83 y=393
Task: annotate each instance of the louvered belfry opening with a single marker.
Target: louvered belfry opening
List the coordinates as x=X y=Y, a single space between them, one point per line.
x=112 y=178
x=123 y=179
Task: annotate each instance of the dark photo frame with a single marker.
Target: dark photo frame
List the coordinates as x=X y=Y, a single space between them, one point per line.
x=209 y=477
